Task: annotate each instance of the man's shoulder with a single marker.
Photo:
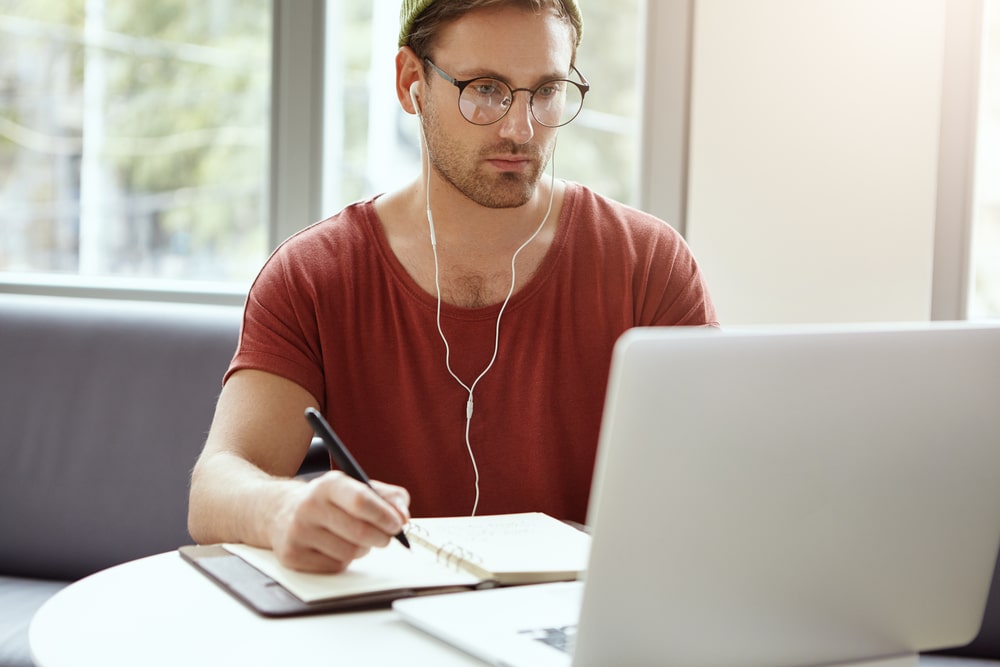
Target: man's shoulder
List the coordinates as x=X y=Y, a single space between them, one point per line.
x=335 y=243
x=350 y=227
x=610 y=215
x=349 y=220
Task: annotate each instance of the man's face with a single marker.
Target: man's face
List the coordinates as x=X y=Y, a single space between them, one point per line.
x=496 y=165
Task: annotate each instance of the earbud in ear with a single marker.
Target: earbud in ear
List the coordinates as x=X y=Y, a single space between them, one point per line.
x=413 y=96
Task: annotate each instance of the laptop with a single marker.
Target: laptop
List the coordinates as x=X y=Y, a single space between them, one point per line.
x=771 y=497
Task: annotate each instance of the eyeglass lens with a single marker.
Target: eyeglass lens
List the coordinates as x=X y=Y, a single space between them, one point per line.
x=554 y=103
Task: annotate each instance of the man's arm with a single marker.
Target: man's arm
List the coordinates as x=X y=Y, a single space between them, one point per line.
x=243 y=490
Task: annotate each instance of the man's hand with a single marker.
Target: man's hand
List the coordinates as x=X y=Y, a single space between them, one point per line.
x=243 y=487
x=323 y=525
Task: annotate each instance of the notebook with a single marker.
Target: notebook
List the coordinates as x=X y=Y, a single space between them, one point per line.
x=782 y=497
x=448 y=554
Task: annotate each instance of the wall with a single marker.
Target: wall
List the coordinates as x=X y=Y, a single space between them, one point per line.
x=813 y=156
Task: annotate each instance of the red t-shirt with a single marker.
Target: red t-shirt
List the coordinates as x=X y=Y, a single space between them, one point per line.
x=334 y=311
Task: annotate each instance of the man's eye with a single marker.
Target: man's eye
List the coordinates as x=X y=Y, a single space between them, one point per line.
x=548 y=90
x=485 y=88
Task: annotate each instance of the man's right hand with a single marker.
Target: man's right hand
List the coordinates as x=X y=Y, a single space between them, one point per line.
x=243 y=488
x=333 y=519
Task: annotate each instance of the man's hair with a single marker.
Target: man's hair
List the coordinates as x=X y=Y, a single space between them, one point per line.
x=426 y=26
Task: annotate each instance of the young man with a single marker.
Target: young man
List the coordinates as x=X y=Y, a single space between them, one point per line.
x=457 y=333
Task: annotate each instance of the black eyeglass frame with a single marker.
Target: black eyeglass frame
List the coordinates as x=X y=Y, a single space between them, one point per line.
x=583 y=85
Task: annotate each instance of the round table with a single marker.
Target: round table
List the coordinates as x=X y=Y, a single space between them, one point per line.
x=161 y=611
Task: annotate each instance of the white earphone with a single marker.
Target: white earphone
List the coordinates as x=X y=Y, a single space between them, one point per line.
x=413 y=97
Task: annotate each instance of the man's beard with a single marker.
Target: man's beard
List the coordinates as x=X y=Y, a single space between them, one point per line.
x=468 y=174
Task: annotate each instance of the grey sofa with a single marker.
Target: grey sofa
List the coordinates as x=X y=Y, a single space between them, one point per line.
x=104 y=407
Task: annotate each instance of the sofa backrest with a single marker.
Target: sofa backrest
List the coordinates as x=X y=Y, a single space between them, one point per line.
x=104 y=408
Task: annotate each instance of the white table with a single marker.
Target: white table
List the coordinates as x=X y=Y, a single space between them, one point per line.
x=161 y=611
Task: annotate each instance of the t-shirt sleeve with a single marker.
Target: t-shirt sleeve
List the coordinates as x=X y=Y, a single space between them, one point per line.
x=676 y=292
x=280 y=331
x=642 y=262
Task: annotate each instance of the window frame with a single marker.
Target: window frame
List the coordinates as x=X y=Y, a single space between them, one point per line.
x=952 y=273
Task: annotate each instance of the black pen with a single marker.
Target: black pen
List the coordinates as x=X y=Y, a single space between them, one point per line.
x=341 y=456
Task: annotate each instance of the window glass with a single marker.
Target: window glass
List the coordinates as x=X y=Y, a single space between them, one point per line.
x=134 y=137
x=984 y=299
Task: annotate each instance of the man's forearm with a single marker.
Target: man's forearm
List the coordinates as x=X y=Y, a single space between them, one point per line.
x=233 y=500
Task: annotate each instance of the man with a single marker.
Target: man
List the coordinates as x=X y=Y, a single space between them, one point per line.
x=457 y=333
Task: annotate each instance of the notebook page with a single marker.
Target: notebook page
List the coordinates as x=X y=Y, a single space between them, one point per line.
x=507 y=543
x=384 y=569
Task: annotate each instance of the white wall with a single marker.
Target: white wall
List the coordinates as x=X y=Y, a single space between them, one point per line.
x=814 y=155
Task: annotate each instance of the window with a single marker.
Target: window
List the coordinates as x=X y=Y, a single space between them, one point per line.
x=134 y=137
x=984 y=290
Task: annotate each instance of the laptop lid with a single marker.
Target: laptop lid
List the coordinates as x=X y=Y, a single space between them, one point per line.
x=797 y=497
x=801 y=496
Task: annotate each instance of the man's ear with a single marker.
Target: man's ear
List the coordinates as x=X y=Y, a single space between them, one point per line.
x=409 y=76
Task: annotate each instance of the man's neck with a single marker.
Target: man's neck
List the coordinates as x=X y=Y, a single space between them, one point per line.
x=475 y=244
x=460 y=222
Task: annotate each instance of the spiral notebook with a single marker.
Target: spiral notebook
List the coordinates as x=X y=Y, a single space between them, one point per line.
x=448 y=554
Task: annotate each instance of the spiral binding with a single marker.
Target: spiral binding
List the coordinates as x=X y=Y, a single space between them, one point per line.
x=449 y=553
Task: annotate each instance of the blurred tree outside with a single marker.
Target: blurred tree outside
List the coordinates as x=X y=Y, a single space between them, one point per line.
x=134 y=136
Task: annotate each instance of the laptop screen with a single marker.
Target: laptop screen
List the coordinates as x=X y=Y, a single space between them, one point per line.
x=794 y=496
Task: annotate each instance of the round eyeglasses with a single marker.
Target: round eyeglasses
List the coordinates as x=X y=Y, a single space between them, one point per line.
x=485 y=100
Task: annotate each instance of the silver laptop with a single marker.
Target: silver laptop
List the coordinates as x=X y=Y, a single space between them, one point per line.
x=807 y=496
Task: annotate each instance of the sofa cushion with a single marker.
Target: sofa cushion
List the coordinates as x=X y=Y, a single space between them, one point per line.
x=104 y=407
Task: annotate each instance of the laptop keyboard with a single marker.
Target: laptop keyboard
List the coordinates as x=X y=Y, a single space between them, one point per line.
x=561 y=638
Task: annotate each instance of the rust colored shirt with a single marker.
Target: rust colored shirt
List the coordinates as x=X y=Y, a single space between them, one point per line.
x=334 y=311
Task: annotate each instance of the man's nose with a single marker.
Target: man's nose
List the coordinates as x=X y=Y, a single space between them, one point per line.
x=517 y=125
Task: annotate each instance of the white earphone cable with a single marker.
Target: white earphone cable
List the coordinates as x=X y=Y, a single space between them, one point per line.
x=470 y=388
